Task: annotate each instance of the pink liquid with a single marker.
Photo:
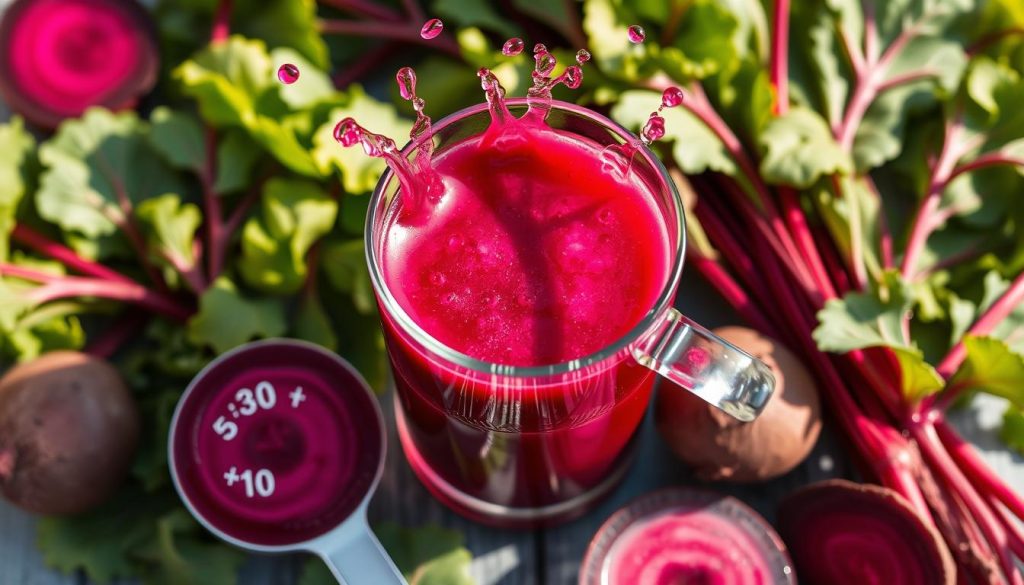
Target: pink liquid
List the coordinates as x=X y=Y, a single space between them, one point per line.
x=533 y=255
x=688 y=546
x=680 y=535
x=311 y=454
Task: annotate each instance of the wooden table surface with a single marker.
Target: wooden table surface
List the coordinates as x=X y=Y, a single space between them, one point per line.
x=547 y=557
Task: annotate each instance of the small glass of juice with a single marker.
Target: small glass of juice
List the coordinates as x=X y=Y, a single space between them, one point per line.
x=527 y=304
x=277 y=446
x=684 y=535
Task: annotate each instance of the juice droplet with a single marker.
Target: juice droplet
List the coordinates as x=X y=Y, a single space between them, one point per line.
x=429 y=179
x=513 y=47
x=538 y=97
x=573 y=76
x=544 y=63
x=349 y=133
x=346 y=132
x=432 y=28
x=287 y=74
x=654 y=129
x=406 y=79
x=672 y=97
x=636 y=34
x=495 y=95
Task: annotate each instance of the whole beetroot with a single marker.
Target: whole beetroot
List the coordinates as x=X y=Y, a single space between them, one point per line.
x=721 y=448
x=69 y=428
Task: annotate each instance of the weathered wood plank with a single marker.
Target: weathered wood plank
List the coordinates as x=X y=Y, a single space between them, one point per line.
x=20 y=561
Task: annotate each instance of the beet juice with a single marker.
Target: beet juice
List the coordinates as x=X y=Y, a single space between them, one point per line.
x=533 y=256
x=525 y=254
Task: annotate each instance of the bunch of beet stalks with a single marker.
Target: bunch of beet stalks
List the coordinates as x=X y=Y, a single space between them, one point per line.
x=778 y=270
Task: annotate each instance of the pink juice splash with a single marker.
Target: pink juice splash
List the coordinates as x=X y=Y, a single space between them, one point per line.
x=277 y=444
x=516 y=247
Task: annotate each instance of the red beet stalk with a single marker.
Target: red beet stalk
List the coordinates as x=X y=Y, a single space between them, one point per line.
x=793 y=271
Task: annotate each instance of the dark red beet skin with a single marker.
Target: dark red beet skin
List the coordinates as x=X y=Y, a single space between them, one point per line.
x=843 y=533
x=68 y=432
x=59 y=57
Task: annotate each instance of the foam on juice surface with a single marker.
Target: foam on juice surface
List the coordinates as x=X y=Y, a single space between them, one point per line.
x=534 y=254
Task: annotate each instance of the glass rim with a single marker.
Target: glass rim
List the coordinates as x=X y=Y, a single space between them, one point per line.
x=428 y=341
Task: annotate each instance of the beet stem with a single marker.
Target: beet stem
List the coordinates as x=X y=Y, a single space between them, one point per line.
x=215 y=244
x=861 y=430
x=365 y=9
x=993 y=38
x=221 y=29
x=31 y=239
x=884 y=233
x=999 y=310
x=778 y=66
x=399 y=31
x=734 y=295
x=1013 y=530
x=54 y=287
x=868 y=75
x=125 y=221
x=977 y=471
x=804 y=241
x=928 y=440
x=925 y=220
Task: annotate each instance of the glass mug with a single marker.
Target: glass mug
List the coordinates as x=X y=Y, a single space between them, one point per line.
x=526 y=446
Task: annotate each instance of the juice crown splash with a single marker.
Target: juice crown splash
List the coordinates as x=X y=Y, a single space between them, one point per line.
x=420 y=183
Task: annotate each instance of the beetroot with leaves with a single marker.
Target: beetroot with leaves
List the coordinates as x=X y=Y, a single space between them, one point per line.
x=59 y=57
x=842 y=533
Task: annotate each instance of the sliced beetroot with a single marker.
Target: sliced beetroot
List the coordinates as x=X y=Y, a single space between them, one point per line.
x=844 y=533
x=681 y=535
x=59 y=57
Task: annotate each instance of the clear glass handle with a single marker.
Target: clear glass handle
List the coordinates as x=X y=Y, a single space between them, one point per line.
x=707 y=365
x=355 y=556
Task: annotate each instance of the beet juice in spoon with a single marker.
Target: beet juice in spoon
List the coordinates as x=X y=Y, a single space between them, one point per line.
x=277 y=446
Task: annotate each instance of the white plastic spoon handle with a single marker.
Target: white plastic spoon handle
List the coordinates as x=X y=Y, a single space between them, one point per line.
x=357 y=558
